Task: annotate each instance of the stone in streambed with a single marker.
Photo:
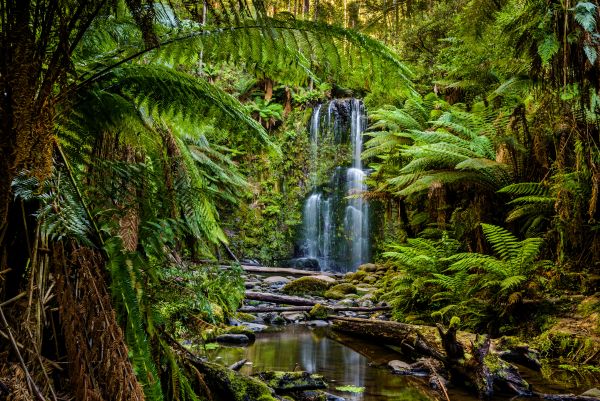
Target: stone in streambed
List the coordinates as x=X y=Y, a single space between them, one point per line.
x=233 y=339
x=313 y=285
x=292 y=381
x=276 y=280
x=593 y=392
x=293 y=317
x=400 y=367
x=319 y=312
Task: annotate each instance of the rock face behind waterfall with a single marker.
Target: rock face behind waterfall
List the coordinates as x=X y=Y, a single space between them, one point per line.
x=335 y=230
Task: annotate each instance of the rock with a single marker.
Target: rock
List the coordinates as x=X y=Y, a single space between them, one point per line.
x=370 y=279
x=438 y=382
x=292 y=381
x=366 y=304
x=233 y=338
x=276 y=280
x=327 y=279
x=319 y=312
x=400 y=367
x=331 y=397
x=346 y=302
x=251 y=284
x=368 y=267
x=317 y=323
x=255 y=327
x=313 y=285
x=278 y=320
x=344 y=288
x=293 y=316
x=309 y=264
x=593 y=392
x=333 y=294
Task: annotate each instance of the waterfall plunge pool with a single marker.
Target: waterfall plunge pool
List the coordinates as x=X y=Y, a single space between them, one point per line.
x=335 y=356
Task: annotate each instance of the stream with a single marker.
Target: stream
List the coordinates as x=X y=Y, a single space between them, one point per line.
x=318 y=350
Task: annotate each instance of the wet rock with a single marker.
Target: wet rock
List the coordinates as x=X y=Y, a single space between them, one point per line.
x=593 y=392
x=438 y=382
x=292 y=381
x=293 y=316
x=370 y=279
x=331 y=397
x=276 y=280
x=400 y=367
x=317 y=323
x=368 y=267
x=310 y=264
x=313 y=285
x=251 y=284
x=327 y=279
x=278 y=320
x=347 y=302
x=366 y=304
x=233 y=338
x=255 y=327
x=319 y=312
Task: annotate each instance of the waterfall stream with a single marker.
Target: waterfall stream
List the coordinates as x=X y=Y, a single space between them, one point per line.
x=335 y=216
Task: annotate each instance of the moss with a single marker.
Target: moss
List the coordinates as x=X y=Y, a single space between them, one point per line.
x=344 y=288
x=239 y=330
x=455 y=322
x=331 y=294
x=567 y=346
x=306 y=285
x=292 y=381
x=231 y=385
x=245 y=317
x=319 y=312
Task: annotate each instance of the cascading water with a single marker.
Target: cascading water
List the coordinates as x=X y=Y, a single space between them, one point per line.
x=335 y=216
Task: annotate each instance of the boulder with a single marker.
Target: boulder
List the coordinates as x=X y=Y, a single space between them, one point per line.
x=233 y=338
x=313 y=285
x=400 y=367
x=368 y=267
x=593 y=392
x=276 y=280
x=293 y=316
x=292 y=381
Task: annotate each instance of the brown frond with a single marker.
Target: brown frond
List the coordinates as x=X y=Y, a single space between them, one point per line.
x=99 y=365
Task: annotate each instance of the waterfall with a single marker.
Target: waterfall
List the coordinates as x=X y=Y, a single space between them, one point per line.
x=335 y=216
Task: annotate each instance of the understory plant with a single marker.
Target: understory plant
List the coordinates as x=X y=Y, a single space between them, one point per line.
x=431 y=280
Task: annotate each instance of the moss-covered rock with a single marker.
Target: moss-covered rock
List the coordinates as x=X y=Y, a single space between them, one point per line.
x=292 y=381
x=245 y=317
x=226 y=384
x=306 y=286
x=239 y=330
x=319 y=312
x=331 y=294
x=344 y=288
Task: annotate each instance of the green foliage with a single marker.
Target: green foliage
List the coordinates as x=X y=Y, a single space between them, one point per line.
x=429 y=275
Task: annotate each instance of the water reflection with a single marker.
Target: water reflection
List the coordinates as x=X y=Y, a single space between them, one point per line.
x=299 y=348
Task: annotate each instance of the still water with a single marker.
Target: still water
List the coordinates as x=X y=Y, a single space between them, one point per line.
x=344 y=360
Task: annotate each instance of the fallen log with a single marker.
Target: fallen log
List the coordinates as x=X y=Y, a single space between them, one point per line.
x=412 y=340
x=266 y=309
x=281 y=270
x=278 y=299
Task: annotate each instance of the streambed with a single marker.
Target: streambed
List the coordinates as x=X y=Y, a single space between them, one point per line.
x=298 y=347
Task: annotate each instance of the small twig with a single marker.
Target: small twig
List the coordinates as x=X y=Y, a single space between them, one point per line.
x=10 y=301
